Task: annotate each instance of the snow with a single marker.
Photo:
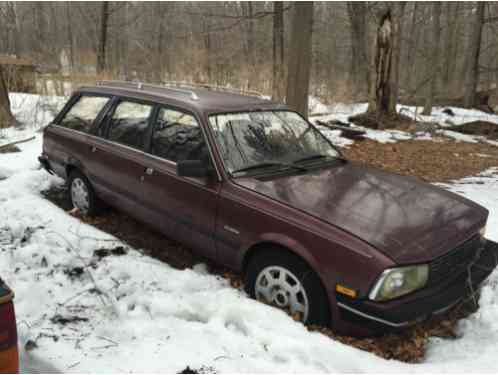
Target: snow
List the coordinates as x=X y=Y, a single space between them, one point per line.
x=342 y=112
x=149 y=317
x=461 y=115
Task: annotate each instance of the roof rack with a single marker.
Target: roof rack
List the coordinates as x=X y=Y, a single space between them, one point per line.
x=213 y=87
x=141 y=86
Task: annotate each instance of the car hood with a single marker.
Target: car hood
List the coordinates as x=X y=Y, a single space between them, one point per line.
x=408 y=220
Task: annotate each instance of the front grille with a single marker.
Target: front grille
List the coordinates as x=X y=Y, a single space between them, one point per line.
x=454 y=262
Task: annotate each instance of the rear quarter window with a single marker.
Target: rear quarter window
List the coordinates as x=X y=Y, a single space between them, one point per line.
x=83 y=113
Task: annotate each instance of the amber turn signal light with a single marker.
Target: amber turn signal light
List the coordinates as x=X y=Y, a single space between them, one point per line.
x=345 y=290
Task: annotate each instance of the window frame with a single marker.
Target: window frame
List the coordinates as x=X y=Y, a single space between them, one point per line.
x=182 y=110
x=105 y=121
x=75 y=99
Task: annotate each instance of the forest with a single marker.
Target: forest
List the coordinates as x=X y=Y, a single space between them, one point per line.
x=412 y=52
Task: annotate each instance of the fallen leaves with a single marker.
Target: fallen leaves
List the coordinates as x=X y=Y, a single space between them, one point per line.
x=430 y=161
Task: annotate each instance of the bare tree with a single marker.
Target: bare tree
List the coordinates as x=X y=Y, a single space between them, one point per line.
x=380 y=63
x=6 y=117
x=102 y=44
x=473 y=51
x=299 y=61
x=278 y=51
x=433 y=68
x=359 y=55
x=397 y=10
x=385 y=41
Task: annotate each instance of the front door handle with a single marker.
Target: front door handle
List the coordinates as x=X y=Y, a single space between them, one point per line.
x=93 y=149
x=149 y=171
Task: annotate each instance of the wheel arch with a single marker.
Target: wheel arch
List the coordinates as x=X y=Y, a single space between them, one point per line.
x=74 y=164
x=285 y=245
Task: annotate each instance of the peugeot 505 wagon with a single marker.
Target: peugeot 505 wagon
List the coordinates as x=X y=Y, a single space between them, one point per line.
x=257 y=188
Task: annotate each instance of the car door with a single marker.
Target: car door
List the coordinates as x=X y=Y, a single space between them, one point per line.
x=116 y=162
x=183 y=208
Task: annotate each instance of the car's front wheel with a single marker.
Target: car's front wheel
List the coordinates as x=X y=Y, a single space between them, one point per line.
x=285 y=281
x=81 y=194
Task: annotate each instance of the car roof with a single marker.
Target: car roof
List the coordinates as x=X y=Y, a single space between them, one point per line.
x=203 y=100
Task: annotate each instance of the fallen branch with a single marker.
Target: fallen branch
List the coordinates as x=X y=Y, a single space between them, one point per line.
x=16 y=143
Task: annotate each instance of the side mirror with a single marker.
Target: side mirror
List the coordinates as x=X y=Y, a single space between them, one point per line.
x=193 y=168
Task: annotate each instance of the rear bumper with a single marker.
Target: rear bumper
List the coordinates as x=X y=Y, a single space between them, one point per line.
x=45 y=163
x=421 y=305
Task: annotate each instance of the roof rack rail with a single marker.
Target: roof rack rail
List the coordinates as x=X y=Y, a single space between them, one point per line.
x=141 y=86
x=212 y=87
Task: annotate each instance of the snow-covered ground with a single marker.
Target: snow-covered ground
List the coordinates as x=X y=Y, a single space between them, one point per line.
x=144 y=316
x=342 y=112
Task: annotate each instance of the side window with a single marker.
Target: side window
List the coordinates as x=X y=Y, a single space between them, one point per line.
x=177 y=136
x=84 y=112
x=128 y=124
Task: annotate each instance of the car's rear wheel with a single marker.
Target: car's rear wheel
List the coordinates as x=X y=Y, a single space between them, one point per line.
x=285 y=281
x=81 y=194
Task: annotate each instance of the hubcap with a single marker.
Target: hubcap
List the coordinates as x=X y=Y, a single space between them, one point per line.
x=79 y=195
x=280 y=287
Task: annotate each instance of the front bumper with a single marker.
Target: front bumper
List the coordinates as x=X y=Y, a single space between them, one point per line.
x=422 y=304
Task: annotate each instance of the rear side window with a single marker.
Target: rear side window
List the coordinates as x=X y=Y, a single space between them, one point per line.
x=177 y=136
x=128 y=124
x=83 y=113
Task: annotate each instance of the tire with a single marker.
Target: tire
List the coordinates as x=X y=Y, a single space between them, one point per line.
x=267 y=265
x=82 y=195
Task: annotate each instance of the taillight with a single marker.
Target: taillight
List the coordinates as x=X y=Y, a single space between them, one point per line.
x=9 y=356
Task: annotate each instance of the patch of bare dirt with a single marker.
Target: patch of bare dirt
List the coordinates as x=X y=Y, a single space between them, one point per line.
x=440 y=161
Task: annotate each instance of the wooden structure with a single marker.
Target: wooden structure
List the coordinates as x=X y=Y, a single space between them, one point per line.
x=19 y=73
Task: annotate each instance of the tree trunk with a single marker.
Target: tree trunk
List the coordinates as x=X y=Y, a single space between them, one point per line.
x=6 y=117
x=412 y=48
x=380 y=65
x=359 y=56
x=450 y=43
x=433 y=66
x=278 y=51
x=102 y=45
x=472 y=73
x=299 y=61
x=70 y=38
x=397 y=11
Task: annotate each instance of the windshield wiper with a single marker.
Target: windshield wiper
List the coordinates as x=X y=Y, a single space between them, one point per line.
x=316 y=157
x=270 y=164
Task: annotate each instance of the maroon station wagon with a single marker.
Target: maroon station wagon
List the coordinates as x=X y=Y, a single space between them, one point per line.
x=254 y=186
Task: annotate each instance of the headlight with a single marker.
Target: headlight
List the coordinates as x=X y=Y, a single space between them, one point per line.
x=396 y=282
x=482 y=232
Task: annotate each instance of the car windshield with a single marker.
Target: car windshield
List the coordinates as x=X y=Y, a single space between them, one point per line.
x=249 y=140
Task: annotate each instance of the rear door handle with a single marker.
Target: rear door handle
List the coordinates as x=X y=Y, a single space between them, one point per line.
x=149 y=171
x=93 y=149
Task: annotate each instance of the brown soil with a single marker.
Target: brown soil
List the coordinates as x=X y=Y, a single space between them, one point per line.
x=431 y=161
